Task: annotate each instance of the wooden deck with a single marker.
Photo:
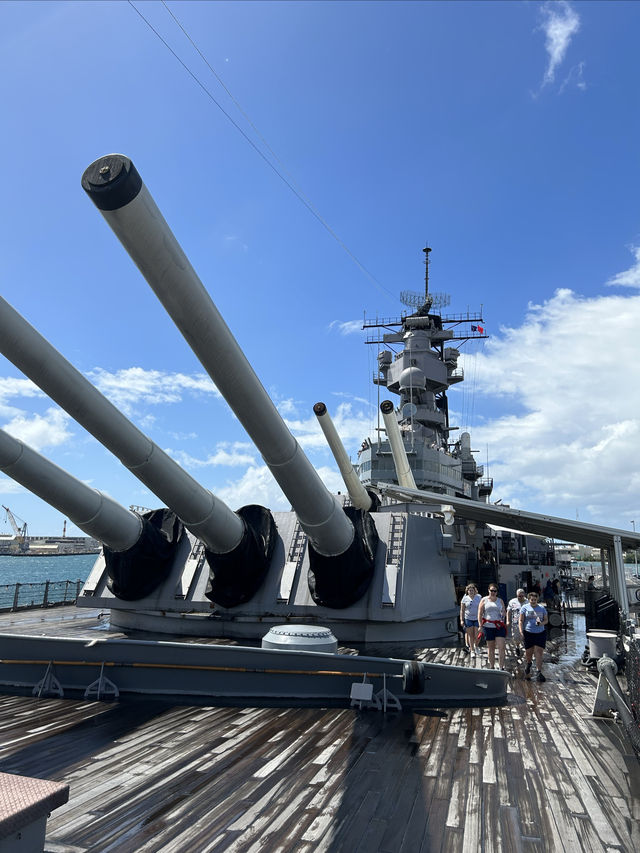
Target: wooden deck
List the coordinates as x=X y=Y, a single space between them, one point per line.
x=539 y=774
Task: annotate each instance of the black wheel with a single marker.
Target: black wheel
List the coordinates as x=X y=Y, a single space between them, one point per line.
x=412 y=677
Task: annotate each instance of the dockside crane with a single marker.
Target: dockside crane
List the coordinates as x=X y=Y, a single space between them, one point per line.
x=21 y=532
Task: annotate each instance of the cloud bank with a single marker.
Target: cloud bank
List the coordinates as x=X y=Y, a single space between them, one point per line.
x=135 y=386
x=571 y=371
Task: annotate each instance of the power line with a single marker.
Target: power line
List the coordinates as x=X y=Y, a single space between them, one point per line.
x=289 y=183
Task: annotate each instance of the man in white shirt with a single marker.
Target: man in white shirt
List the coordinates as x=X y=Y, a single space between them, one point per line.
x=513 y=615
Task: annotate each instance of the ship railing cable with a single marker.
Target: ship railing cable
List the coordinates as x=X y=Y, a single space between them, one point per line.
x=278 y=169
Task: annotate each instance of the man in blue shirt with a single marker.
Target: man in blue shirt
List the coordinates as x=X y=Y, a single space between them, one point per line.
x=532 y=623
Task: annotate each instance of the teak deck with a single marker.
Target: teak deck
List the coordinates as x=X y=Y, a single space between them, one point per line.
x=539 y=774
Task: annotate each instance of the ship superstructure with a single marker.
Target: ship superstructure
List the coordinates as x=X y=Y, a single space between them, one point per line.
x=420 y=369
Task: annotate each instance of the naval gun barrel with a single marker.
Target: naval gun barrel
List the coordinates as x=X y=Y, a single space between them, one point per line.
x=138 y=550
x=357 y=492
x=93 y=512
x=399 y=454
x=117 y=190
x=207 y=517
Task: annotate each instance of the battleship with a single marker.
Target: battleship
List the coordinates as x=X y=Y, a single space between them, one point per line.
x=361 y=570
x=246 y=749
x=380 y=566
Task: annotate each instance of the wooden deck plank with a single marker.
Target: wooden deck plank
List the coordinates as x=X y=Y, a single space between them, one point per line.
x=471 y=839
x=434 y=837
x=586 y=832
x=491 y=831
x=510 y=829
x=372 y=836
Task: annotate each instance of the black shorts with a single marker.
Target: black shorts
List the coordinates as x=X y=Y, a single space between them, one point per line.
x=532 y=639
x=491 y=632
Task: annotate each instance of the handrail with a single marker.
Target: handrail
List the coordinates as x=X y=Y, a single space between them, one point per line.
x=25 y=596
x=607 y=668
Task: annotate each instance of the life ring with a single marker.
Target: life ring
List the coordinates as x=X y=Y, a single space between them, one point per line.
x=412 y=677
x=638 y=594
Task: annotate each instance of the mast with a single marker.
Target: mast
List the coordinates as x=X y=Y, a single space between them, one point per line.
x=427 y=300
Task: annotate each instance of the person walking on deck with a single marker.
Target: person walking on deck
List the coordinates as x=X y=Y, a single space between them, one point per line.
x=492 y=615
x=548 y=594
x=533 y=619
x=469 y=615
x=513 y=619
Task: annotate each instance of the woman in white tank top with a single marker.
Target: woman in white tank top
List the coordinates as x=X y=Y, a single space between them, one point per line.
x=492 y=615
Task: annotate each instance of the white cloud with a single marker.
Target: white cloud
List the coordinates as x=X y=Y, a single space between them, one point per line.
x=347 y=327
x=560 y=23
x=230 y=454
x=287 y=407
x=258 y=486
x=630 y=277
x=147 y=422
x=9 y=412
x=40 y=431
x=575 y=77
x=125 y=388
x=572 y=370
x=12 y=387
x=183 y=436
x=9 y=486
x=133 y=385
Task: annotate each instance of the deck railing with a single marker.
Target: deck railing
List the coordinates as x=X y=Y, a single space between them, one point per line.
x=22 y=596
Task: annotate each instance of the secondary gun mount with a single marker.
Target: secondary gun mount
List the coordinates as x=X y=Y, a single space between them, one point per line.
x=398 y=452
x=359 y=496
x=342 y=544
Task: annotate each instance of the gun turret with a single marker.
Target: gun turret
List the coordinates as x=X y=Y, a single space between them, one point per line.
x=239 y=545
x=341 y=561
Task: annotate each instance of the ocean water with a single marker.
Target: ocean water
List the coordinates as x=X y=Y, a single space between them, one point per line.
x=70 y=567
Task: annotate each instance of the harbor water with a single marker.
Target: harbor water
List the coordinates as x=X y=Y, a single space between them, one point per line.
x=40 y=569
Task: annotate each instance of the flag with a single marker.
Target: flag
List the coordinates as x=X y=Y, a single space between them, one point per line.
x=474 y=328
x=481 y=329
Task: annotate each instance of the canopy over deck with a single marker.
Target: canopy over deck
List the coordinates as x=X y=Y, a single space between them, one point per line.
x=611 y=539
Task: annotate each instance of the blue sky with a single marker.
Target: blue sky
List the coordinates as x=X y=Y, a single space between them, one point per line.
x=505 y=134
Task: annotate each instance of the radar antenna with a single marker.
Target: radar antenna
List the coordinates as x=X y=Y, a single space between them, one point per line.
x=412 y=299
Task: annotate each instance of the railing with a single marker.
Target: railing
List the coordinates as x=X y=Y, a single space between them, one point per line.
x=632 y=671
x=22 y=596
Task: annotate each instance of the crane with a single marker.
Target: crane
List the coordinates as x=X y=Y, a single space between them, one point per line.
x=21 y=532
